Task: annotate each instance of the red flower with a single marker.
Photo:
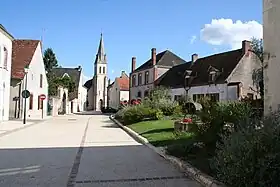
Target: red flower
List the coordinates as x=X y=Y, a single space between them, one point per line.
x=187 y=120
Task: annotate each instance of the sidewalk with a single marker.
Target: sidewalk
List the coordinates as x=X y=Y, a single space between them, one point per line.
x=7 y=127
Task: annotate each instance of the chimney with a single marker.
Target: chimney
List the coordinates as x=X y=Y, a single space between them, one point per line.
x=133 y=64
x=194 y=57
x=154 y=56
x=246 y=46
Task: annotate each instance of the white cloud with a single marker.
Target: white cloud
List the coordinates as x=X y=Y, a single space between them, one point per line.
x=192 y=40
x=113 y=71
x=227 y=32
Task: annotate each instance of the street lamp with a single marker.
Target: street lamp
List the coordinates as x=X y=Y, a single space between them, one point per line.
x=25 y=97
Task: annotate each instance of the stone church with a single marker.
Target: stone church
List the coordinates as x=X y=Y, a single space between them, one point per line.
x=97 y=86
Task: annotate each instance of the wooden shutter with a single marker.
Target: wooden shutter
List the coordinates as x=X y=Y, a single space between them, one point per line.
x=31 y=102
x=41 y=81
x=40 y=103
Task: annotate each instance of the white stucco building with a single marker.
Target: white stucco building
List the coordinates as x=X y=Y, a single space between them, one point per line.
x=223 y=77
x=142 y=79
x=5 y=72
x=97 y=86
x=76 y=100
x=118 y=91
x=28 y=53
x=271 y=39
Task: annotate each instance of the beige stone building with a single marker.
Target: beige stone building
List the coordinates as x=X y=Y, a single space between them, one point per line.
x=271 y=37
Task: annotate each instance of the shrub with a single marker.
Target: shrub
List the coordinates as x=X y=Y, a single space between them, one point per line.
x=250 y=156
x=136 y=113
x=216 y=116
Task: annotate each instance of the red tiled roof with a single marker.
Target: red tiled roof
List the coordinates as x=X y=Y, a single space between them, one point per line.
x=123 y=83
x=22 y=53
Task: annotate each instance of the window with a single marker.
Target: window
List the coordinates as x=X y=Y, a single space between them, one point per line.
x=99 y=69
x=5 y=66
x=104 y=70
x=197 y=97
x=134 y=80
x=215 y=97
x=146 y=93
x=41 y=81
x=177 y=97
x=140 y=79
x=31 y=102
x=146 y=77
x=40 y=103
x=139 y=94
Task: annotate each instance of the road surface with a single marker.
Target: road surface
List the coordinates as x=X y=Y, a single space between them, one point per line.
x=82 y=150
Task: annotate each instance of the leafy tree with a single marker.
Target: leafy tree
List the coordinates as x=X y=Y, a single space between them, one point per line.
x=50 y=60
x=257 y=47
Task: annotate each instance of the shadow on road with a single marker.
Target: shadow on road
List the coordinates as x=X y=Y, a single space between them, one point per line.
x=120 y=165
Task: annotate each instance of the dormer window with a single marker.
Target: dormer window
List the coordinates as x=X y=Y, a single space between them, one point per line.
x=187 y=77
x=212 y=76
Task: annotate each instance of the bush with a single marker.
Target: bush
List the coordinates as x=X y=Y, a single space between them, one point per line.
x=136 y=113
x=216 y=116
x=250 y=156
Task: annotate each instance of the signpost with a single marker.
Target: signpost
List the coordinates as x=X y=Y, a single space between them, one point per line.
x=42 y=98
x=25 y=94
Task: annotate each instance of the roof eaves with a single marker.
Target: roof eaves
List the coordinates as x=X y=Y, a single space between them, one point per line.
x=5 y=32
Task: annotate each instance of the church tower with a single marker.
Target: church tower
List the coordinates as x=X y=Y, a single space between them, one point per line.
x=100 y=81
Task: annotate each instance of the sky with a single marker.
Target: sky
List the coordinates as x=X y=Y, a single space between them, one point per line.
x=72 y=28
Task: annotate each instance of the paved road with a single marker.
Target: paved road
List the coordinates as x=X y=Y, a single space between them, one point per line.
x=82 y=150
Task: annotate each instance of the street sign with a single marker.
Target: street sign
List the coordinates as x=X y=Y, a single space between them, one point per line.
x=25 y=93
x=15 y=98
x=42 y=96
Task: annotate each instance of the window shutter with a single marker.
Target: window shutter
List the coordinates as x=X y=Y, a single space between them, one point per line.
x=5 y=58
x=31 y=102
x=41 y=81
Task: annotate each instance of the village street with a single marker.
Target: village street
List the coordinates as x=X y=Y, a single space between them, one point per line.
x=81 y=150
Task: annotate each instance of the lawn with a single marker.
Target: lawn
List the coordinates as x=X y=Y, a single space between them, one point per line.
x=160 y=133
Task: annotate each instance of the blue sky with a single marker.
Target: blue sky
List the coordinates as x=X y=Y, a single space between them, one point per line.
x=131 y=28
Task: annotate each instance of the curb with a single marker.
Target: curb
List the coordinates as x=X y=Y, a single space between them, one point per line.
x=188 y=169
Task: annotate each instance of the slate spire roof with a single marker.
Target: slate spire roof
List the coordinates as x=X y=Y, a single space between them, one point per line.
x=101 y=56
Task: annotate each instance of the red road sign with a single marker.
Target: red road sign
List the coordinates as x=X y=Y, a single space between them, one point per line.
x=42 y=96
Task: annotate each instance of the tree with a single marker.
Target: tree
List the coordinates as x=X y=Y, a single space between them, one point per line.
x=50 y=60
x=257 y=47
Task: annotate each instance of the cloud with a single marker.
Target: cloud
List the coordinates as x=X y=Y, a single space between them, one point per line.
x=227 y=32
x=113 y=71
x=192 y=40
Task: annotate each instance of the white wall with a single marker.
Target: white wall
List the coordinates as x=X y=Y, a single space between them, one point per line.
x=225 y=92
x=271 y=37
x=36 y=68
x=124 y=95
x=82 y=94
x=90 y=98
x=5 y=76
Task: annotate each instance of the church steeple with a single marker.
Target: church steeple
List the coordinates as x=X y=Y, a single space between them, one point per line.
x=101 y=56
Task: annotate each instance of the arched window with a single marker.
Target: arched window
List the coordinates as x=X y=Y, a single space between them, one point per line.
x=99 y=69
x=104 y=70
x=5 y=65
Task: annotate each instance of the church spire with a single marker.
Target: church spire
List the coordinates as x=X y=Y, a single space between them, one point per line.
x=101 y=56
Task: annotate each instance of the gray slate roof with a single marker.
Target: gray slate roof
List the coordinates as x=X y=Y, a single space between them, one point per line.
x=165 y=58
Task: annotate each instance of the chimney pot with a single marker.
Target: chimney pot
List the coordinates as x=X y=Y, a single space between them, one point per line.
x=154 y=56
x=194 y=57
x=133 y=64
x=246 y=46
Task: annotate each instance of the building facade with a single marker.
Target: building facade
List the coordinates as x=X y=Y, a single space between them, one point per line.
x=97 y=86
x=143 y=78
x=222 y=77
x=118 y=91
x=5 y=72
x=76 y=101
x=271 y=39
x=28 y=54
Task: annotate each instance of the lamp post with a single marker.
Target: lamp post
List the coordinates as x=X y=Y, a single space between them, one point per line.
x=25 y=89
